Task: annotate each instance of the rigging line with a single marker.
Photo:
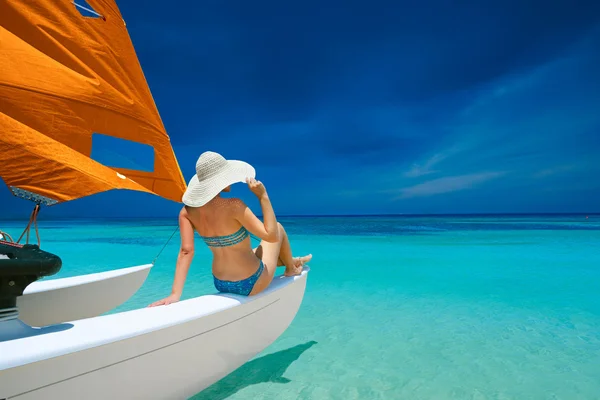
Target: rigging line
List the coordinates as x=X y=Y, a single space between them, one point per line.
x=165 y=245
x=32 y=219
x=37 y=233
x=88 y=10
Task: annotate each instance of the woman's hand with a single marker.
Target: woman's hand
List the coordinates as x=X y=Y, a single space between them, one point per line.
x=256 y=187
x=173 y=298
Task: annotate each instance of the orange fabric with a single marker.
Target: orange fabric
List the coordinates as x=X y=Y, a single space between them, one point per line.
x=62 y=77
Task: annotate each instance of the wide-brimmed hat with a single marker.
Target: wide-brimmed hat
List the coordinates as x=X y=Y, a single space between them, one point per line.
x=213 y=174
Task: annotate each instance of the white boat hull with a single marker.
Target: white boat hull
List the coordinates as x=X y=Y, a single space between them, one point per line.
x=54 y=301
x=167 y=352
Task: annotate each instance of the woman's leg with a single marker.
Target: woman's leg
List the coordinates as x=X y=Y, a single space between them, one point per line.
x=292 y=265
x=285 y=252
x=274 y=254
x=285 y=255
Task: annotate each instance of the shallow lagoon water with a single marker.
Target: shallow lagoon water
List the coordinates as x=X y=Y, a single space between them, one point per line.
x=410 y=307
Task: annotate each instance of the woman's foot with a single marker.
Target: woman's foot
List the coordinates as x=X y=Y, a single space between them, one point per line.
x=293 y=271
x=296 y=268
x=300 y=261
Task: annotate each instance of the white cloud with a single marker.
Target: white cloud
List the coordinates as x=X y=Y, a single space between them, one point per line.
x=447 y=184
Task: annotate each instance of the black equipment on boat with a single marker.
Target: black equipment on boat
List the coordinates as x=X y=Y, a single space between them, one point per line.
x=20 y=265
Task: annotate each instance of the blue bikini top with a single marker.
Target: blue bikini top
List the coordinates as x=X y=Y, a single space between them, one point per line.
x=227 y=240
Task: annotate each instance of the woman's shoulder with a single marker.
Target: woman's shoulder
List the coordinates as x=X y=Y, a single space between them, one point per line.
x=235 y=205
x=234 y=202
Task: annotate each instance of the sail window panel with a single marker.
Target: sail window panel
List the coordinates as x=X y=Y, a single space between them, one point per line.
x=85 y=9
x=120 y=153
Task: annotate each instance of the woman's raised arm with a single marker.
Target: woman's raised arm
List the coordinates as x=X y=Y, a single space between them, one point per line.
x=267 y=231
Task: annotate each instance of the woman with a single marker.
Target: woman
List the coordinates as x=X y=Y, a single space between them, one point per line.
x=224 y=224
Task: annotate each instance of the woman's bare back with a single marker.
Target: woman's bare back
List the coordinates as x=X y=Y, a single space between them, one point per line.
x=217 y=218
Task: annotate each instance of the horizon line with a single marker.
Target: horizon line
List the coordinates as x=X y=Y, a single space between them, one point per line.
x=597 y=213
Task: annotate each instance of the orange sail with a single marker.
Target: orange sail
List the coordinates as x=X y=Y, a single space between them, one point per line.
x=64 y=77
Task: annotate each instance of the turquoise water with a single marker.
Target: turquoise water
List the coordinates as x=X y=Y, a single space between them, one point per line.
x=413 y=308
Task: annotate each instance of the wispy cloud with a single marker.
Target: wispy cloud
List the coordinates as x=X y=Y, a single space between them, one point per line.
x=448 y=184
x=559 y=169
x=426 y=167
x=541 y=122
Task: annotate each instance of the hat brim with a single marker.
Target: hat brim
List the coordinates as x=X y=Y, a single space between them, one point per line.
x=199 y=193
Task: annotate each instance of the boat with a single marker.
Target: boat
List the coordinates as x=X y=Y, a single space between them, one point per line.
x=70 y=74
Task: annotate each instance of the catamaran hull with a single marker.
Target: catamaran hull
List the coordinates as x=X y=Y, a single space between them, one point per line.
x=174 y=362
x=67 y=299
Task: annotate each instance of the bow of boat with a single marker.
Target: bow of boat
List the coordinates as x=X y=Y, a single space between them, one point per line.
x=169 y=351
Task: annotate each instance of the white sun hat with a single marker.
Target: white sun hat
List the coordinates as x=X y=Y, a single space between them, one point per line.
x=213 y=174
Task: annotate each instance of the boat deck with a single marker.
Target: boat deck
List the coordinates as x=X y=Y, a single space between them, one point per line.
x=27 y=345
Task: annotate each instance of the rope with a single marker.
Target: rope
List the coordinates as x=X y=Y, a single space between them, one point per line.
x=165 y=245
x=6 y=236
x=32 y=219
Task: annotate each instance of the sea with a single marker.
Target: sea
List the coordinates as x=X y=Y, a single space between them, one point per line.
x=396 y=307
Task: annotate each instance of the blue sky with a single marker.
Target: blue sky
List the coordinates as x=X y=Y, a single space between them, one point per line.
x=348 y=107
